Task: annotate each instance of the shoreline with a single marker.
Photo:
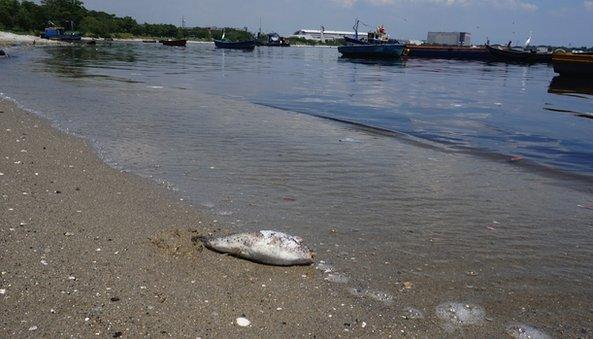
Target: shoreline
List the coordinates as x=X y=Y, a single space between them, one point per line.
x=89 y=250
x=160 y=238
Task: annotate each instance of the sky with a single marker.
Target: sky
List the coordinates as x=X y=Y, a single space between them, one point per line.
x=555 y=22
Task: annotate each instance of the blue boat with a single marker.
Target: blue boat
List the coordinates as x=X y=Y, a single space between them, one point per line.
x=372 y=51
x=60 y=34
x=244 y=45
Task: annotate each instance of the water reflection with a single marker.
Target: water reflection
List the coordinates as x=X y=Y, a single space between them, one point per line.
x=79 y=61
x=568 y=85
x=381 y=62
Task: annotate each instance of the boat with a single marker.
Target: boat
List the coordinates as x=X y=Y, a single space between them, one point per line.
x=377 y=45
x=178 y=43
x=275 y=40
x=149 y=41
x=372 y=51
x=514 y=55
x=244 y=45
x=447 y=52
x=60 y=34
x=576 y=65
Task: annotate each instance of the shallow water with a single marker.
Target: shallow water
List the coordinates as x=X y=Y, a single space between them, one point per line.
x=432 y=213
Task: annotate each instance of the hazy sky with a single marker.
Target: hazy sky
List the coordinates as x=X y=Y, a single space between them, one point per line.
x=552 y=21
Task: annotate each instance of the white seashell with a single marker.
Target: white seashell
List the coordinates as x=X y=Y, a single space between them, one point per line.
x=243 y=322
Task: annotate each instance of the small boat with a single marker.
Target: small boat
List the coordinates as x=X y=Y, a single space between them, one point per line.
x=60 y=34
x=447 y=52
x=2 y=53
x=579 y=65
x=178 y=43
x=275 y=40
x=149 y=41
x=244 y=45
x=512 y=55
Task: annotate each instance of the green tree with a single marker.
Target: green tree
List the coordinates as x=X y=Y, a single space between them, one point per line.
x=64 y=12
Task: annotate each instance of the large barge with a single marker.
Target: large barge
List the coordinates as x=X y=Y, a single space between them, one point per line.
x=479 y=53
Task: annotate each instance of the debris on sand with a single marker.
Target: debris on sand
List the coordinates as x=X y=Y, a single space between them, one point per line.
x=243 y=322
x=413 y=313
x=266 y=247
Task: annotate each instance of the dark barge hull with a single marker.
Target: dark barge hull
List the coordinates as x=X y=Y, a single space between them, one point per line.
x=447 y=52
x=244 y=45
x=513 y=56
x=372 y=51
x=573 y=65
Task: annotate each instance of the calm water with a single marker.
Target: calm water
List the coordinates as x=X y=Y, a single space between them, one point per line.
x=428 y=195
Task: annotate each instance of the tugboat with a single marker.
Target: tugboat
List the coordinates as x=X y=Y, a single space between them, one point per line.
x=377 y=45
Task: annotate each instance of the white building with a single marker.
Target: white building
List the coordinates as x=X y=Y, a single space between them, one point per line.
x=318 y=35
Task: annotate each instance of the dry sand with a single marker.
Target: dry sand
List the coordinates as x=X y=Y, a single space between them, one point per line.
x=87 y=250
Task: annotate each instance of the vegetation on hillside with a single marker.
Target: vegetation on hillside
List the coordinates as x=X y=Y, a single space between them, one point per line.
x=27 y=16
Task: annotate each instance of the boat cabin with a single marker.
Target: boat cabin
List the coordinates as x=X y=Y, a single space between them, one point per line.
x=274 y=39
x=53 y=32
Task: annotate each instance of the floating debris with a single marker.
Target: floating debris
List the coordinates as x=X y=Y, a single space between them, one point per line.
x=33 y=328
x=2 y=291
x=266 y=247
x=408 y=285
x=521 y=331
x=243 y=322
x=461 y=314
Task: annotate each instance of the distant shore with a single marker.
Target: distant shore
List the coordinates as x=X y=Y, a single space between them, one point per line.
x=13 y=39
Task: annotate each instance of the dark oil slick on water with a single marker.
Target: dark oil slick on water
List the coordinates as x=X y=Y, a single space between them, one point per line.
x=403 y=226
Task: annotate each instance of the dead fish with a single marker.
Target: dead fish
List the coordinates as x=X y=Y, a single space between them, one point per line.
x=266 y=247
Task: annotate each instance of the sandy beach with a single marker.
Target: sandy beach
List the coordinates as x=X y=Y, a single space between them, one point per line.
x=88 y=250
